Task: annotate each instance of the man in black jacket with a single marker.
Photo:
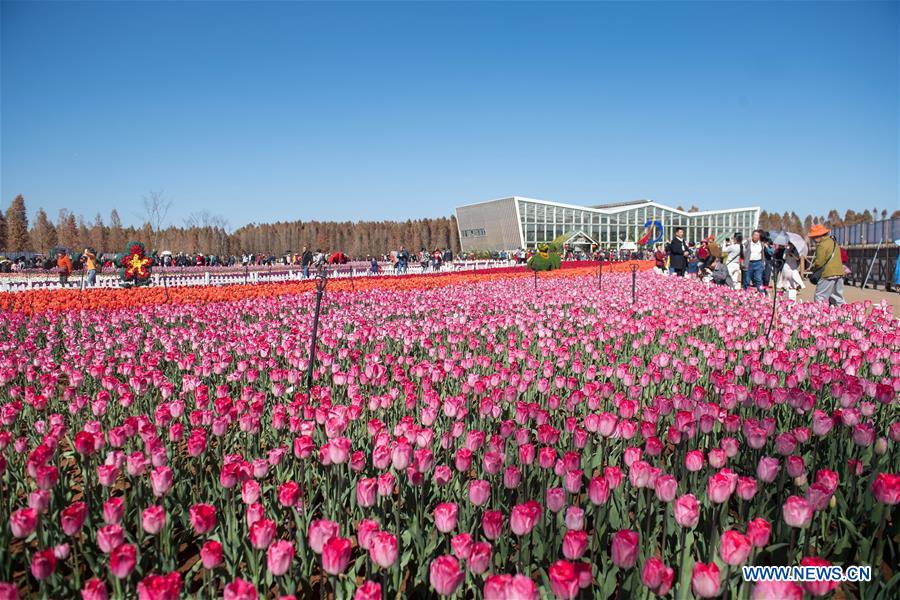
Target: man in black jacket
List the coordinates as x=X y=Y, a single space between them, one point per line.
x=677 y=253
x=305 y=261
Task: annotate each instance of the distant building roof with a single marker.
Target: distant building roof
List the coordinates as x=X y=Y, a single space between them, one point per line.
x=619 y=204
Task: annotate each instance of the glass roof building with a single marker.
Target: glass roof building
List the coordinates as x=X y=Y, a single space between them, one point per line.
x=515 y=222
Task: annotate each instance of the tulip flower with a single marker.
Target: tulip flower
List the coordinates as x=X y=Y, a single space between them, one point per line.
x=279 y=557
x=705 y=580
x=335 y=555
x=445 y=575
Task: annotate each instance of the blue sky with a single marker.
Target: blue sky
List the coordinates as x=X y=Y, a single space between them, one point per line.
x=345 y=111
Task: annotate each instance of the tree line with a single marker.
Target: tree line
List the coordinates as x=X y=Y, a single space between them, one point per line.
x=204 y=233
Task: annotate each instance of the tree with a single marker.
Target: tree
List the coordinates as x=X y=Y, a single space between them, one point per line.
x=116 y=237
x=97 y=234
x=17 y=226
x=43 y=233
x=2 y=231
x=156 y=209
x=67 y=230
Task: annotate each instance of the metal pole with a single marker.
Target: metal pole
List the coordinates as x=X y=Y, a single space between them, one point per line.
x=321 y=281
x=871 y=264
x=634 y=269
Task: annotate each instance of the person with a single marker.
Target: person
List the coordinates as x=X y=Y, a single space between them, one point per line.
x=754 y=261
x=678 y=253
x=790 y=278
x=828 y=266
x=660 y=257
x=373 y=265
x=90 y=266
x=732 y=261
x=63 y=267
x=402 y=259
x=318 y=258
x=306 y=259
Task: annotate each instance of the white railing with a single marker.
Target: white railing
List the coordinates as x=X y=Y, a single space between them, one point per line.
x=160 y=278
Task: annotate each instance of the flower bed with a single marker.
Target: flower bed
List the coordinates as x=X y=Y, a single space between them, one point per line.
x=465 y=434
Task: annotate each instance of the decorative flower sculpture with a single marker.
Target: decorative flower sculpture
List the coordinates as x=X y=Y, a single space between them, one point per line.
x=134 y=264
x=544 y=260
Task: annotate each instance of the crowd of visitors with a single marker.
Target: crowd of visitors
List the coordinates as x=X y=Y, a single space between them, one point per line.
x=758 y=261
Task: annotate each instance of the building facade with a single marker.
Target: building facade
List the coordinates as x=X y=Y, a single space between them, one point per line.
x=515 y=222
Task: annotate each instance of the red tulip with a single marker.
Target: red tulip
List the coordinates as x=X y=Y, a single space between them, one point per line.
x=705 y=580
x=625 y=548
x=492 y=524
x=886 y=488
x=564 y=579
x=211 y=554
x=336 y=555
x=279 y=557
x=240 y=590
x=43 y=563
x=122 y=560
x=160 y=587
x=84 y=443
x=758 y=531
x=445 y=575
x=818 y=588
x=72 y=517
x=94 y=589
x=289 y=494
x=369 y=590
x=203 y=518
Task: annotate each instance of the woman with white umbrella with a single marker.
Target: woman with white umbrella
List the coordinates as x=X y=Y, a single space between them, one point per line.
x=791 y=277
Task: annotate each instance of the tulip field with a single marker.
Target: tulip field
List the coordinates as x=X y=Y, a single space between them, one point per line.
x=472 y=436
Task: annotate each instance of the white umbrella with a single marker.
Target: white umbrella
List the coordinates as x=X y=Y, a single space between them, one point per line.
x=783 y=238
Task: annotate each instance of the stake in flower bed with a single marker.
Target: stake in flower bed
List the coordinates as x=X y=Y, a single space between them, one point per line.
x=321 y=282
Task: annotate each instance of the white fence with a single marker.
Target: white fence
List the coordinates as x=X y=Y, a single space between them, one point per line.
x=160 y=278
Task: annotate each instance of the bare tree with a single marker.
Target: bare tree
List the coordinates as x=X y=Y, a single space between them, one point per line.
x=156 y=209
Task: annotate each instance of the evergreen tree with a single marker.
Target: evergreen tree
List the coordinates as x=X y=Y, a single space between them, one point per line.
x=17 y=226
x=43 y=233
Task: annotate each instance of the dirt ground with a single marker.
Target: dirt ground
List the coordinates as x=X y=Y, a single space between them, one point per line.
x=855 y=294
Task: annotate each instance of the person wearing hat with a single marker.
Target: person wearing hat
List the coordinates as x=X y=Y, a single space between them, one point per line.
x=827 y=267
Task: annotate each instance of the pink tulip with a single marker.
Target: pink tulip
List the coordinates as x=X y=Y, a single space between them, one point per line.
x=656 y=576
x=523 y=517
x=512 y=587
x=479 y=557
x=110 y=537
x=366 y=490
x=161 y=587
x=705 y=580
x=279 y=557
x=777 y=590
x=564 y=579
x=94 y=589
x=262 y=533
x=758 y=531
x=445 y=575
x=574 y=544
x=886 y=488
x=687 y=510
x=797 y=512
x=43 y=564
x=383 y=549
x=479 y=492
x=365 y=531
x=734 y=547
x=23 y=522
x=445 y=517
x=625 y=548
